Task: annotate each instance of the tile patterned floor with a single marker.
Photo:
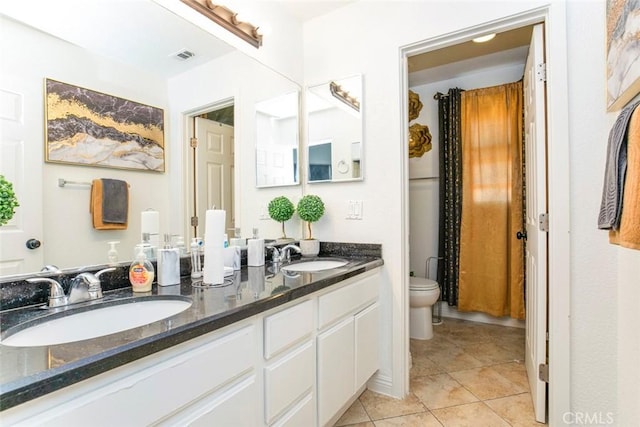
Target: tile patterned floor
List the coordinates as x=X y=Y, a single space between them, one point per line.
x=469 y=374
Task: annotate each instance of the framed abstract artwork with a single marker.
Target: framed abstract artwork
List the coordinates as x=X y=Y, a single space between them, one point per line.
x=623 y=52
x=85 y=127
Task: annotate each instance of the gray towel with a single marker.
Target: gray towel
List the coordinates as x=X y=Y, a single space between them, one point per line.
x=615 y=171
x=115 y=201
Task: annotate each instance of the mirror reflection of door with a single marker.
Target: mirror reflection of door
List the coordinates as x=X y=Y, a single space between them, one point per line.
x=214 y=167
x=18 y=147
x=320 y=161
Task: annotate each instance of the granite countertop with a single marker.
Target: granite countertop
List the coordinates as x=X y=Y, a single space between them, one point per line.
x=30 y=372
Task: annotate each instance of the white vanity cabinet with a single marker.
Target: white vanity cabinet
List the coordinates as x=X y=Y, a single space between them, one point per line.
x=206 y=381
x=348 y=322
x=299 y=364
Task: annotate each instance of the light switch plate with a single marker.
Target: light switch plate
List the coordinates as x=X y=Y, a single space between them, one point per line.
x=354 y=209
x=264 y=212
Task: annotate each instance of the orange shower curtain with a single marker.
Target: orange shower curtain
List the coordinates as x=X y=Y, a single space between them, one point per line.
x=491 y=257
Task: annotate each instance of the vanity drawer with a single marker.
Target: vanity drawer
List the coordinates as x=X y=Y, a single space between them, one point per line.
x=339 y=303
x=287 y=327
x=190 y=372
x=287 y=379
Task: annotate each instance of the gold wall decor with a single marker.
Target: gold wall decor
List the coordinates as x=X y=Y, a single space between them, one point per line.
x=90 y=128
x=419 y=140
x=414 y=105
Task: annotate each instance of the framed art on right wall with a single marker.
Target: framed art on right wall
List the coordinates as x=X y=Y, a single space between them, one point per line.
x=623 y=52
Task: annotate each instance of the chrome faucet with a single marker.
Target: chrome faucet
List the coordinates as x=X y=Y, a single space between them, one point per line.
x=286 y=252
x=57 y=298
x=282 y=255
x=84 y=287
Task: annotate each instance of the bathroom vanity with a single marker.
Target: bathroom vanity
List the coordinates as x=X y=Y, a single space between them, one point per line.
x=271 y=349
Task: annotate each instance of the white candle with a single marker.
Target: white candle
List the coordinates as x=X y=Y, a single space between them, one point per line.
x=213 y=271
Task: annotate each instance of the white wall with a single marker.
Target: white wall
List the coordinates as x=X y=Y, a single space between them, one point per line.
x=69 y=238
x=602 y=348
x=247 y=81
x=605 y=279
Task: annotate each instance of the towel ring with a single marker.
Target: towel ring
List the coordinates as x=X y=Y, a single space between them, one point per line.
x=343 y=167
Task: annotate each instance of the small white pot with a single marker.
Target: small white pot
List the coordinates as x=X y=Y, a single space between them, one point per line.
x=310 y=247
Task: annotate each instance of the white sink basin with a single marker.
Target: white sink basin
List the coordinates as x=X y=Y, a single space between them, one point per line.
x=96 y=322
x=315 y=265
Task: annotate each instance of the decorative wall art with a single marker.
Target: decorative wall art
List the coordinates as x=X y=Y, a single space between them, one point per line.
x=623 y=52
x=415 y=105
x=419 y=140
x=419 y=135
x=85 y=127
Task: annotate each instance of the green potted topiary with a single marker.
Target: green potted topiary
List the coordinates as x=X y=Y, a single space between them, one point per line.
x=281 y=209
x=310 y=209
x=8 y=201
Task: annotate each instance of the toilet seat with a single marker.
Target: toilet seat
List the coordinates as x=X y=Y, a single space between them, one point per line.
x=422 y=284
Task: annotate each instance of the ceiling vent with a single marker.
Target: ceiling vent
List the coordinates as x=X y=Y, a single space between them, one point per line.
x=184 y=54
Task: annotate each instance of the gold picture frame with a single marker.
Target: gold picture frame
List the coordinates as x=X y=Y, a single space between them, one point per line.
x=90 y=128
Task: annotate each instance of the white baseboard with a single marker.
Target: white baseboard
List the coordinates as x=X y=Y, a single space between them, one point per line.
x=382 y=384
x=452 y=312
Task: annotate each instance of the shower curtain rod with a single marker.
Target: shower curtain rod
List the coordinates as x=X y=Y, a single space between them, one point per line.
x=439 y=95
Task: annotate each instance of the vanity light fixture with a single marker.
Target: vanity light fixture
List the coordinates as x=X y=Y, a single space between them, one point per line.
x=483 y=39
x=228 y=19
x=338 y=92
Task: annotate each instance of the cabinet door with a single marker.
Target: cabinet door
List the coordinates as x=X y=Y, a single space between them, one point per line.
x=367 y=338
x=336 y=373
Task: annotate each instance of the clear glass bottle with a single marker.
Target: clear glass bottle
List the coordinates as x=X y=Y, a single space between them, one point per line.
x=112 y=254
x=196 y=265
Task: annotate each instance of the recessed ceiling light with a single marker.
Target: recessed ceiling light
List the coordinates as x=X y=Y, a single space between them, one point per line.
x=484 y=38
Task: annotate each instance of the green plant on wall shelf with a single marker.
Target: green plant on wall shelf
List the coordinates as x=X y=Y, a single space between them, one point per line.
x=281 y=209
x=8 y=201
x=310 y=209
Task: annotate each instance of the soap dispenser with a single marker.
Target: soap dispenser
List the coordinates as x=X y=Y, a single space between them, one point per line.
x=255 y=250
x=112 y=254
x=141 y=273
x=168 y=264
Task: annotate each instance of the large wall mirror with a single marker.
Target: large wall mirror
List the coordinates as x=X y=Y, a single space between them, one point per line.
x=277 y=149
x=334 y=120
x=58 y=43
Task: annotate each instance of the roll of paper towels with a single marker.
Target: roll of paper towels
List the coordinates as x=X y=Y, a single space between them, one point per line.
x=213 y=271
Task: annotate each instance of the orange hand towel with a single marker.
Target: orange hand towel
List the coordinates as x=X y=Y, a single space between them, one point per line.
x=109 y=205
x=628 y=235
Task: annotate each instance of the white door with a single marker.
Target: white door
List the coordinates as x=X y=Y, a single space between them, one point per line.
x=214 y=186
x=536 y=205
x=21 y=146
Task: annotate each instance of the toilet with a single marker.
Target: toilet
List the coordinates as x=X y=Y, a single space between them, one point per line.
x=423 y=293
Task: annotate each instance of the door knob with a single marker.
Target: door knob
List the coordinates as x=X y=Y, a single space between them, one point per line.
x=33 y=244
x=520 y=235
